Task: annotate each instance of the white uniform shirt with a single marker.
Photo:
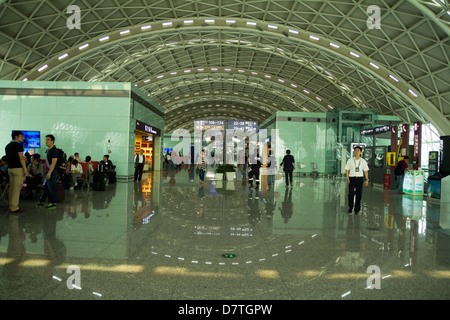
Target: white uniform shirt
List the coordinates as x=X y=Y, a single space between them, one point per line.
x=353 y=164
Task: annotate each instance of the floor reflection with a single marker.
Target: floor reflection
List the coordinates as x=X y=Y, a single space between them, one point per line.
x=162 y=237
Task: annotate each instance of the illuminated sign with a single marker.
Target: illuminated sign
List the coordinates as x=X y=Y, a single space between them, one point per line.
x=141 y=126
x=376 y=130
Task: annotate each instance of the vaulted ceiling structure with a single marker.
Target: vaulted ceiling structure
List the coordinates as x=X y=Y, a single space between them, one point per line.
x=229 y=59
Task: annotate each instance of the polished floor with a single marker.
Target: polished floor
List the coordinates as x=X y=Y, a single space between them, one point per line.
x=168 y=238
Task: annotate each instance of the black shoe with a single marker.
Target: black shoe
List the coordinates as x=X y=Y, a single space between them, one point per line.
x=349 y=211
x=18 y=211
x=356 y=213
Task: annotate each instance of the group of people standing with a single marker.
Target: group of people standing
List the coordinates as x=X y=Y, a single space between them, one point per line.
x=19 y=168
x=33 y=174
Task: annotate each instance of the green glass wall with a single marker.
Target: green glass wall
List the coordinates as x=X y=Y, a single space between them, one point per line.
x=85 y=117
x=307 y=135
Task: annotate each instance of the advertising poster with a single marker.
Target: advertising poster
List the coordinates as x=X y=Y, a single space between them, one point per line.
x=408 y=182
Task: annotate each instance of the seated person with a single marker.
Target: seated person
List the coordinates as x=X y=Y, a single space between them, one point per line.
x=89 y=162
x=106 y=165
x=76 y=171
x=4 y=176
x=35 y=173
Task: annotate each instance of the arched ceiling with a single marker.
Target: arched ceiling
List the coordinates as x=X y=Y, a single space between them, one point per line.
x=228 y=59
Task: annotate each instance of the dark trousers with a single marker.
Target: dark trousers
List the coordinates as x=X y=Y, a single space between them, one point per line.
x=355 y=190
x=50 y=188
x=138 y=170
x=201 y=175
x=253 y=175
x=288 y=176
x=33 y=182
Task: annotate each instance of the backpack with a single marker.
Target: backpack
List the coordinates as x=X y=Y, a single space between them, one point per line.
x=60 y=163
x=398 y=171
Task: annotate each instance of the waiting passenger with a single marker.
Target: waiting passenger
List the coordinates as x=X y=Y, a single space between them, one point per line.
x=89 y=162
x=4 y=177
x=76 y=171
x=106 y=165
x=35 y=173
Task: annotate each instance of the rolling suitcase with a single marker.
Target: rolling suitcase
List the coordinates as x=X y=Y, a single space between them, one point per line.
x=98 y=183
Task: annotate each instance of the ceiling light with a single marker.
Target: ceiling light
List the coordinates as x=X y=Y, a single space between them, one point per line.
x=251 y=23
x=354 y=54
x=65 y=55
x=393 y=78
x=84 y=46
x=413 y=93
x=124 y=31
x=230 y=21
x=209 y=20
x=293 y=31
x=272 y=26
x=314 y=37
x=104 y=38
x=146 y=27
x=374 y=65
x=334 y=45
x=43 y=68
x=188 y=21
x=167 y=24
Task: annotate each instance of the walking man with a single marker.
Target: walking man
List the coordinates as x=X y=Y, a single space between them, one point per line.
x=255 y=165
x=17 y=170
x=139 y=161
x=52 y=174
x=356 y=170
x=288 y=165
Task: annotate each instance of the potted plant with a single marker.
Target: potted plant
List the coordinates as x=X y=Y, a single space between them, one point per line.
x=220 y=172
x=230 y=172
